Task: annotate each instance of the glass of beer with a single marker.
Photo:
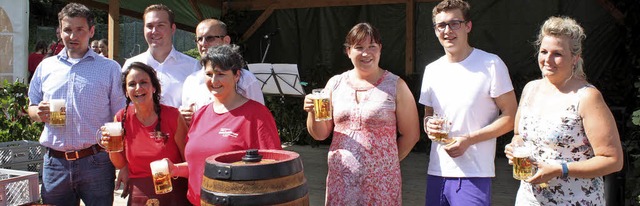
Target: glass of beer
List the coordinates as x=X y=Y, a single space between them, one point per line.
x=58 y=109
x=522 y=161
x=441 y=135
x=321 y=105
x=161 y=176
x=116 y=140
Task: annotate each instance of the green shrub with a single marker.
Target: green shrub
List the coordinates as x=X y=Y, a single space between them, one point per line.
x=15 y=123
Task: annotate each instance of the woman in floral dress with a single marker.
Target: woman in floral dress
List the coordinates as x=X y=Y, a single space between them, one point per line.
x=567 y=121
x=370 y=106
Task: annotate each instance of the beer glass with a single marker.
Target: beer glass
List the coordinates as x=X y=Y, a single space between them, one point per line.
x=161 y=176
x=441 y=135
x=116 y=140
x=57 y=111
x=522 y=161
x=321 y=105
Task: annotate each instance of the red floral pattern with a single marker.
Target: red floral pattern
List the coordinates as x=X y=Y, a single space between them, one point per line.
x=363 y=158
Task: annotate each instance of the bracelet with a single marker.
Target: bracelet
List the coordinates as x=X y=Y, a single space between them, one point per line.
x=565 y=170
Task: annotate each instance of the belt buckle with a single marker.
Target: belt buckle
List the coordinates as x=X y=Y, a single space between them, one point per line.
x=66 y=155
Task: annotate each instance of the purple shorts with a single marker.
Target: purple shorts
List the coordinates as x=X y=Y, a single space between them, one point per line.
x=468 y=191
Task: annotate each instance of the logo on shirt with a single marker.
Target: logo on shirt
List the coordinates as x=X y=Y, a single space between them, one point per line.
x=225 y=132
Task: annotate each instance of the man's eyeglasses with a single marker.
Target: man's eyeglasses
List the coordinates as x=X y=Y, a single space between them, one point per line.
x=209 y=39
x=453 y=25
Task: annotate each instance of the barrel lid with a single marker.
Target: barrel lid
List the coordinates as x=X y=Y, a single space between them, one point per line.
x=274 y=164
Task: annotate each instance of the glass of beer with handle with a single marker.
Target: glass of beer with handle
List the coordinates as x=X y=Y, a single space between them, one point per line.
x=115 y=142
x=321 y=105
x=440 y=135
x=161 y=176
x=58 y=115
x=523 y=167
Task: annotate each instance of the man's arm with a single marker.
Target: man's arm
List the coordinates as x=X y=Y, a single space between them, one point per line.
x=504 y=123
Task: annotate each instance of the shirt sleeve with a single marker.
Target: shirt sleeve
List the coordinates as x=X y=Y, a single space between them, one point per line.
x=116 y=97
x=35 y=87
x=501 y=81
x=267 y=131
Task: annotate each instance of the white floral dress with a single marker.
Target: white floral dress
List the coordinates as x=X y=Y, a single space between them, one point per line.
x=558 y=138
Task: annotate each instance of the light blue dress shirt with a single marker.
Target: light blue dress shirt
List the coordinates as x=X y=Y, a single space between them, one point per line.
x=93 y=92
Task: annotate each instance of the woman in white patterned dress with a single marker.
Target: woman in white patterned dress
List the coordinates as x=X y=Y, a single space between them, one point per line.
x=565 y=118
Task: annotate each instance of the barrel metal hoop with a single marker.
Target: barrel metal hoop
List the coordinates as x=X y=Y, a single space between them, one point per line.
x=248 y=172
x=258 y=199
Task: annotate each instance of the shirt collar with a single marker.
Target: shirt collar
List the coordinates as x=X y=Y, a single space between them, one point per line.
x=173 y=54
x=64 y=56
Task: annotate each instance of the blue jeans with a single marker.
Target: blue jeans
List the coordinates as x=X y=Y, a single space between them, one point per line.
x=466 y=191
x=65 y=182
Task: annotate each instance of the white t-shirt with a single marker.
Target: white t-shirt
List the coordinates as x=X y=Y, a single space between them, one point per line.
x=194 y=90
x=464 y=92
x=171 y=73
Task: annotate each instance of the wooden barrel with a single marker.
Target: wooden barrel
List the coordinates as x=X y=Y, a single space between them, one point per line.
x=275 y=179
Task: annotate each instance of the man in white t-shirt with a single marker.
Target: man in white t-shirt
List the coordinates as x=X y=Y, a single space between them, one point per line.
x=172 y=66
x=472 y=88
x=211 y=33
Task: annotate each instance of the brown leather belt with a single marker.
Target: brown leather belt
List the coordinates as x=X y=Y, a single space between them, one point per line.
x=78 y=154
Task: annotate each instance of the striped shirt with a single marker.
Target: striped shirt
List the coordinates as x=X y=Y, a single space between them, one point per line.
x=93 y=92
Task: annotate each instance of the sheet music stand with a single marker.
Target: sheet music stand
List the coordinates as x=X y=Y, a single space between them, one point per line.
x=278 y=79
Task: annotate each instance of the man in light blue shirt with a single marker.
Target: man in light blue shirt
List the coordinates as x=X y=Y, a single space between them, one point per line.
x=74 y=166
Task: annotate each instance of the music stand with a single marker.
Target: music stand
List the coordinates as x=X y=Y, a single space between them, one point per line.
x=278 y=79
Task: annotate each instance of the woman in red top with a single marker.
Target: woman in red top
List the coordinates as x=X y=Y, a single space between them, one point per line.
x=36 y=57
x=230 y=123
x=152 y=131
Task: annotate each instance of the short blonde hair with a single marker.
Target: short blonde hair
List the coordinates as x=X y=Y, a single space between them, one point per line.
x=568 y=27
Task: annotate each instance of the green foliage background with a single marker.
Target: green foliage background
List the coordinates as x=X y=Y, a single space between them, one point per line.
x=15 y=123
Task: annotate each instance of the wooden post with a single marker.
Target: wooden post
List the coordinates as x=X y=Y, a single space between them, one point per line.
x=410 y=35
x=114 y=29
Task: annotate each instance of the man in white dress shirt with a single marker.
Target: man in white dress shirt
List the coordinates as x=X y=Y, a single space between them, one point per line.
x=172 y=66
x=211 y=33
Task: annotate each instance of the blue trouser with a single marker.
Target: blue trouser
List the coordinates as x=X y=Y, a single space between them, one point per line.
x=65 y=182
x=468 y=191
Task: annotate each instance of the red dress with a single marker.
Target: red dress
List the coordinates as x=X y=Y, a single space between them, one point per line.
x=363 y=163
x=141 y=150
x=250 y=126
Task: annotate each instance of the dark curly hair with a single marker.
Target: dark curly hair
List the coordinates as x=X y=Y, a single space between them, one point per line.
x=155 y=82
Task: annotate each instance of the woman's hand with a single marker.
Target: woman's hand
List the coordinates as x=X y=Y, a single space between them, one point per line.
x=123 y=180
x=545 y=172
x=508 y=151
x=308 y=103
x=106 y=138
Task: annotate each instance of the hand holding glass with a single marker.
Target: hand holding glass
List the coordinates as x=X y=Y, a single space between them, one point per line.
x=522 y=161
x=321 y=105
x=161 y=176
x=440 y=135
x=115 y=142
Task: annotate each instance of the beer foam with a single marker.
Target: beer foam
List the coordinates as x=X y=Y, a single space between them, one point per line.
x=113 y=128
x=159 y=166
x=521 y=152
x=56 y=105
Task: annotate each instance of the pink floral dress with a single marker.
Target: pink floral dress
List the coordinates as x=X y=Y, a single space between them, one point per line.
x=363 y=158
x=558 y=138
